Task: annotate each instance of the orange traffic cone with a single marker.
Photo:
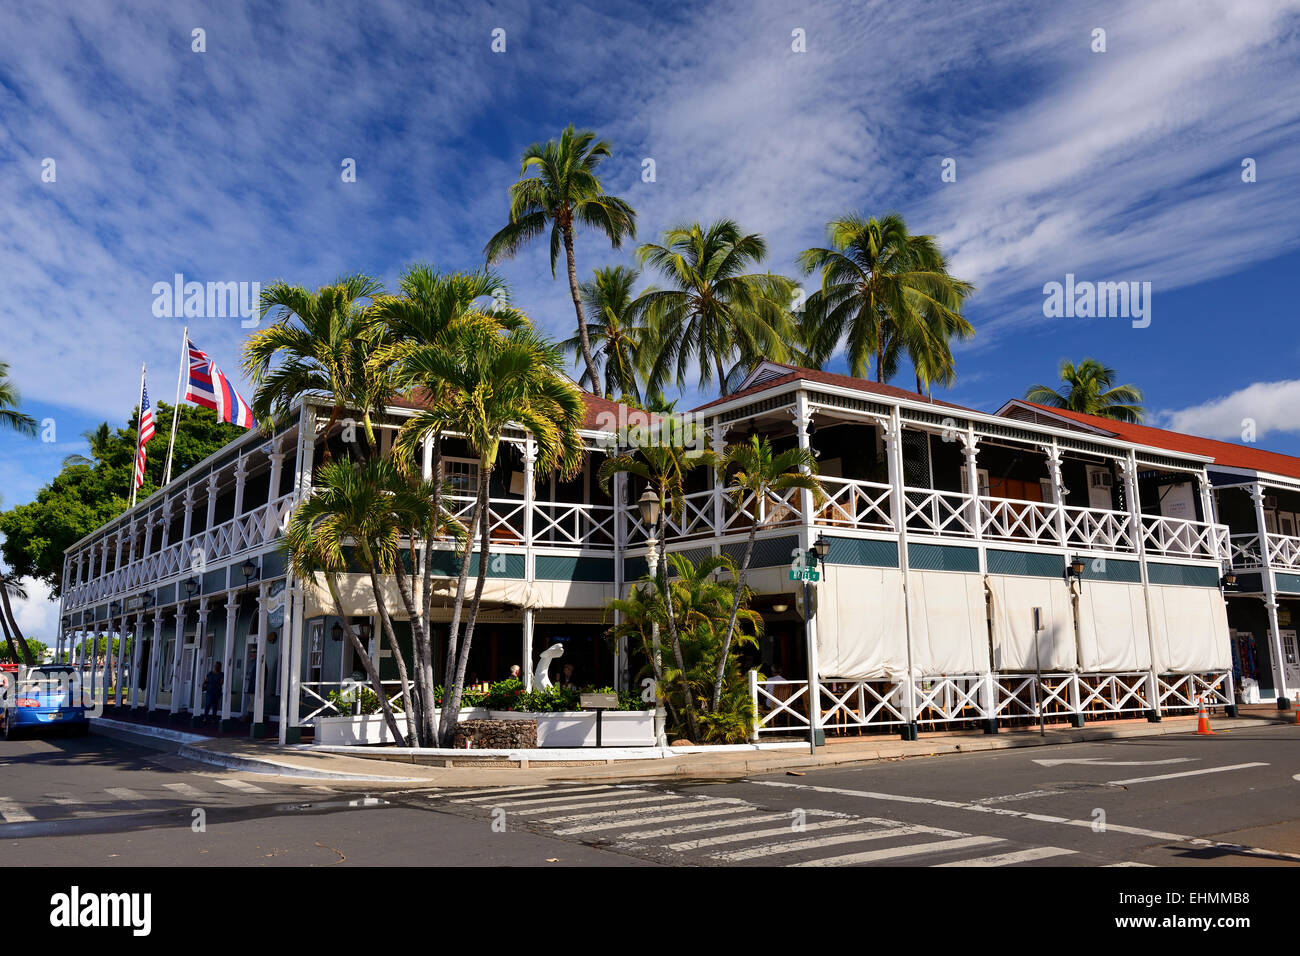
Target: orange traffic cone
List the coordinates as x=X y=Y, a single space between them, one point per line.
x=1203 y=720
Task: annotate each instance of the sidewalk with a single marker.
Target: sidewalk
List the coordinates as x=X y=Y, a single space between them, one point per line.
x=404 y=768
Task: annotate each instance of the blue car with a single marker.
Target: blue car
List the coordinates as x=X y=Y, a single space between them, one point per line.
x=46 y=696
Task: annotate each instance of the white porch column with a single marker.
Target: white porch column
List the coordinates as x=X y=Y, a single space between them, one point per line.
x=527 y=665
x=120 y=671
x=136 y=642
x=201 y=645
x=893 y=435
x=1058 y=492
x=1128 y=471
x=241 y=476
x=259 y=666
x=177 y=645
x=291 y=634
x=228 y=658
x=988 y=685
x=187 y=528
x=802 y=419
x=1270 y=597
x=155 y=659
x=718 y=444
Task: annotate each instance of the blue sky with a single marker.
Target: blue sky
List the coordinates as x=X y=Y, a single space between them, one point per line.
x=224 y=165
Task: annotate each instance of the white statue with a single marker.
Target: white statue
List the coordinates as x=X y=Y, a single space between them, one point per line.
x=542 y=675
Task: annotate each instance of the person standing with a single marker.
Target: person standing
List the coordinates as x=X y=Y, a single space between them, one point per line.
x=212 y=691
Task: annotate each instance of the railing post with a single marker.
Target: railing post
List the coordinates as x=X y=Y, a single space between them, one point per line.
x=753 y=696
x=228 y=658
x=1270 y=596
x=1128 y=468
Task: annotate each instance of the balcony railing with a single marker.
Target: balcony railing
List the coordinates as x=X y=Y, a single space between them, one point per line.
x=1283 y=551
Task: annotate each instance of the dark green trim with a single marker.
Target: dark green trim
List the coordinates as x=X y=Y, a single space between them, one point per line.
x=1286 y=582
x=500 y=565
x=942 y=557
x=862 y=552
x=1183 y=575
x=563 y=567
x=1109 y=569
x=1026 y=563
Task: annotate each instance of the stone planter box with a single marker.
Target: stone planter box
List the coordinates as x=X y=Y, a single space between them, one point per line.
x=577 y=728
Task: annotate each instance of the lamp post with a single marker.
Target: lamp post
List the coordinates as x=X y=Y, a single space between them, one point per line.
x=651 y=509
x=817 y=555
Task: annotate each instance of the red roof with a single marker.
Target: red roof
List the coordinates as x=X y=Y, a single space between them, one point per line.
x=602 y=414
x=1226 y=453
x=797 y=374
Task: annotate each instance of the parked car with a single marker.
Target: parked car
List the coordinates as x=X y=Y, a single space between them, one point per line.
x=47 y=696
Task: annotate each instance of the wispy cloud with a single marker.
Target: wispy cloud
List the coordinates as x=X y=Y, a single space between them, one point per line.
x=1253 y=412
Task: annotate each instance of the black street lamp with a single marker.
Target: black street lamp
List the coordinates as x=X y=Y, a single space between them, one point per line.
x=1075 y=570
x=651 y=509
x=816 y=555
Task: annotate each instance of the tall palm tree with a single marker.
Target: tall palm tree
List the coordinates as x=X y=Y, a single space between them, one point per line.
x=716 y=312
x=565 y=192
x=885 y=293
x=100 y=440
x=350 y=504
x=10 y=417
x=663 y=467
x=11 y=585
x=1091 y=389
x=753 y=472
x=614 y=336
x=482 y=381
x=323 y=342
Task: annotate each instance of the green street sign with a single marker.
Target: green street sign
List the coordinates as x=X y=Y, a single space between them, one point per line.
x=805 y=574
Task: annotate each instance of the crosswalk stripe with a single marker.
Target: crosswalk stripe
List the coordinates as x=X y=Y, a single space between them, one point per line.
x=587 y=806
x=813 y=842
x=605 y=816
x=1007 y=859
x=184 y=789
x=11 y=812
x=66 y=799
x=666 y=818
x=543 y=801
x=124 y=793
x=241 y=785
x=896 y=852
x=489 y=791
x=538 y=790
x=1127 y=864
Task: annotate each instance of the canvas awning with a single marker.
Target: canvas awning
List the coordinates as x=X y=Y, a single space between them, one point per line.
x=950 y=633
x=861 y=633
x=1191 y=629
x=1113 y=633
x=1015 y=645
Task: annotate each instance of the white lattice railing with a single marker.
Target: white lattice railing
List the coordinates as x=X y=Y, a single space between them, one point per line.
x=558 y=523
x=947 y=513
x=782 y=705
x=316 y=698
x=1284 y=551
x=1099 y=530
x=1177 y=537
x=1033 y=522
x=855 y=504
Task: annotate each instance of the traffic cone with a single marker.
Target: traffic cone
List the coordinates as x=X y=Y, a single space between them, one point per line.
x=1203 y=720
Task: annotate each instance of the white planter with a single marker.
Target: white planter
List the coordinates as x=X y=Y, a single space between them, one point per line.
x=348 y=731
x=577 y=728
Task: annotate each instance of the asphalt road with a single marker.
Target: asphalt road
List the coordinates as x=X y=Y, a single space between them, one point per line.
x=1176 y=800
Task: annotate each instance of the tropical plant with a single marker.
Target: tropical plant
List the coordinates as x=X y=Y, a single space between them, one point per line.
x=885 y=293
x=19 y=649
x=1091 y=389
x=565 y=192
x=663 y=467
x=616 y=340
x=716 y=314
x=757 y=478
x=319 y=343
x=482 y=380
x=10 y=416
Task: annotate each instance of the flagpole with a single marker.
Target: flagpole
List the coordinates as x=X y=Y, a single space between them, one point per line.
x=176 y=406
x=138 y=422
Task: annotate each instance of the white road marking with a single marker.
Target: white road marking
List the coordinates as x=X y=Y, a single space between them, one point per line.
x=1100 y=762
x=184 y=789
x=1037 y=817
x=666 y=818
x=732 y=821
x=896 y=852
x=543 y=801
x=124 y=793
x=587 y=806
x=1008 y=859
x=241 y=785
x=66 y=799
x=781 y=831
x=1026 y=795
x=1126 y=864
x=11 y=812
x=519 y=792
x=1186 y=773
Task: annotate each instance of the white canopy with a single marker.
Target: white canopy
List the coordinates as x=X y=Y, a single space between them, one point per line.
x=1113 y=633
x=864 y=632
x=1015 y=645
x=950 y=632
x=1191 y=629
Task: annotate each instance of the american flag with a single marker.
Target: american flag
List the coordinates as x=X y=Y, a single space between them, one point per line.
x=209 y=387
x=146 y=432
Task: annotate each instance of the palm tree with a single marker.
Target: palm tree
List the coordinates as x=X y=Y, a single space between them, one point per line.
x=755 y=474
x=11 y=584
x=565 y=192
x=663 y=467
x=615 y=338
x=480 y=382
x=10 y=417
x=100 y=440
x=324 y=341
x=717 y=312
x=1091 y=390
x=351 y=503
x=885 y=293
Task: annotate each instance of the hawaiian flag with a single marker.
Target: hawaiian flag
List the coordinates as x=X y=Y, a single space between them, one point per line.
x=209 y=387
x=146 y=432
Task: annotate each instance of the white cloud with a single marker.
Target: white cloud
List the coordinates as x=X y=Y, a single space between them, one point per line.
x=1270 y=406
x=38 y=614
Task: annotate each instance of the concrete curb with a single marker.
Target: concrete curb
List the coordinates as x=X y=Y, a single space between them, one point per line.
x=146 y=734
x=572 y=756
x=266 y=765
